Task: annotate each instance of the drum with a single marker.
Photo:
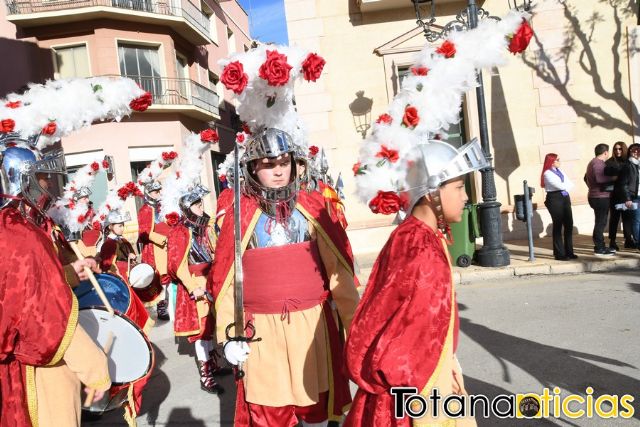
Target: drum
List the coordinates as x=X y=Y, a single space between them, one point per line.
x=145 y=282
x=130 y=358
x=116 y=291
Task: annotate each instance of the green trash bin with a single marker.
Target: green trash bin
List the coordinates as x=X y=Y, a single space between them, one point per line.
x=464 y=235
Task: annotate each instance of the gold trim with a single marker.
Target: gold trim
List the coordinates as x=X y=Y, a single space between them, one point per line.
x=99 y=385
x=32 y=396
x=130 y=408
x=326 y=238
x=68 y=334
x=148 y=325
x=187 y=333
x=245 y=243
x=332 y=388
x=449 y=338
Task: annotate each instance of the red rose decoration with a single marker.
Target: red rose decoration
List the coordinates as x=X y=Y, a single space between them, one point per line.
x=7 y=125
x=105 y=164
x=356 y=168
x=167 y=156
x=95 y=166
x=81 y=218
x=386 y=202
x=312 y=67
x=234 y=78
x=142 y=102
x=13 y=104
x=123 y=193
x=448 y=49
x=96 y=225
x=411 y=117
x=384 y=118
x=50 y=129
x=419 y=71
x=209 y=135
x=521 y=38
x=313 y=150
x=245 y=129
x=222 y=178
x=172 y=218
x=275 y=70
x=240 y=137
x=72 y=205
x=389 y=154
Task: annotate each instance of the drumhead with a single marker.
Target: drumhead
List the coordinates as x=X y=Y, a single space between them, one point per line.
x=116 y=291
x=141 y=276
x=130 y=357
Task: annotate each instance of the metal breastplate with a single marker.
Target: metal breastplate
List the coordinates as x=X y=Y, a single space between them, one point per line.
x=270 y=233
x=200 y=250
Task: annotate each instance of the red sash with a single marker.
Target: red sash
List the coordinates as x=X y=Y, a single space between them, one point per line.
x=282 y=279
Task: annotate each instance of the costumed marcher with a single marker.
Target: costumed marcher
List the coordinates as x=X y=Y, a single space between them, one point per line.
x=405 y=330
x=90 y=236
x=191 y=252
x=153 y=233
x=297 y=262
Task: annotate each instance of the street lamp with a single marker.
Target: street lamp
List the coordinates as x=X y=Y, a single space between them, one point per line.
x=493 y=252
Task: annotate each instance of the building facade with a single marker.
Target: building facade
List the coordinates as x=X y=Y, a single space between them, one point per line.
x=575 y=87
x=170 y=48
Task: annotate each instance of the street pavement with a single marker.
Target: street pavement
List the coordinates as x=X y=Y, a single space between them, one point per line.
x=518 y=335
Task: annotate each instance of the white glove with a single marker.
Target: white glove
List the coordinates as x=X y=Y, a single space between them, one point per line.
x=236 y=352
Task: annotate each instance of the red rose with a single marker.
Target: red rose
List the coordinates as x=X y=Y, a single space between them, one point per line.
x=49 y=129
x=448 y=49
x=386 y=202
x=386 y=153
x=123 y=193
x=7 y=125
x=356 y=168
x=105 y=164
x=96 y=225
x=411 y=117
x=95 y=166
x=13 y=104
x=234 y=78
x=521 y=38
x=209 y=135
x=172 y=218
x=71 y=204
x=81 y=218
x=142 y=102
x=312 y=67
x=222 y=178
x=384 y=118
x=245 y=129
x=240 y=137
x=275 y=70
x=313 y=150
x=419 y=71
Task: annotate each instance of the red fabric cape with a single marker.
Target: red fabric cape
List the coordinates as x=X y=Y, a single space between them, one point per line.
x=399 y=329
x=223 y=261
x=145 y=225
x=36 y=309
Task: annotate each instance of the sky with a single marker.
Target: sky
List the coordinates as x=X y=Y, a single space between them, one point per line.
x=267 y=21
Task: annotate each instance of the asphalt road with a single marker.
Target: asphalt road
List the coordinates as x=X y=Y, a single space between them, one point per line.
x=517 y=336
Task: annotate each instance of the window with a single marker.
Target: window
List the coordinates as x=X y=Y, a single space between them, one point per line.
x=402 y=73
x=71 y=61
x=142 y=64
x=231 y=41
x=216 y=86
x=136 y=168
x=99 y=187
x=216 y=159
x=211 y=16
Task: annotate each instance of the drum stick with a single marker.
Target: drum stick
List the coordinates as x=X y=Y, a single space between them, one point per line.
x=106 y=350
x=93 y=280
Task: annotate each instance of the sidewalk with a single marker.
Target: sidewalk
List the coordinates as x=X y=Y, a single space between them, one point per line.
x=543 y=265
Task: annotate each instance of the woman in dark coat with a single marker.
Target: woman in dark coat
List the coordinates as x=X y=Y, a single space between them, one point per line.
x=613 y=166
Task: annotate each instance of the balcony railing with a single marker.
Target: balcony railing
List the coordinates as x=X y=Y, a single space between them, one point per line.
x=170 y=91
x=178 y=8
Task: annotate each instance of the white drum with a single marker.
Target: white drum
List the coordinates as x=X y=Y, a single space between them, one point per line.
x=130 y=357
x=141 y=276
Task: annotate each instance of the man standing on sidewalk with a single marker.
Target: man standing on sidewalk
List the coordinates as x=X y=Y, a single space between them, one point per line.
x=600 y=188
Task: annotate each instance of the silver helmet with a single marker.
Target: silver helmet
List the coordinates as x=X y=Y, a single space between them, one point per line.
x=270 y=143
x=187 y=200
x=81 y=192
x=438 y=162
x=19 y=168
x=148 y=188
x=117 y=217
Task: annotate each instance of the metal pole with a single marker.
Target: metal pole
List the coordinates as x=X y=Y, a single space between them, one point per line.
x=493 y=252
x=528 y=212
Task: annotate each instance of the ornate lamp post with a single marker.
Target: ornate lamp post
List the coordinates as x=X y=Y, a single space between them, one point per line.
x=493 y=252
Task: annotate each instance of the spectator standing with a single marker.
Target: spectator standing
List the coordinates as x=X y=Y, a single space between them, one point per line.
x=614 y=165
x=557 y=186
x=626 y=192
x=600 y=188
